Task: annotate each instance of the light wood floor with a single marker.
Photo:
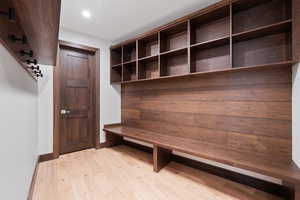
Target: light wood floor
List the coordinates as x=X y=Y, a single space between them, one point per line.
x=123 y=173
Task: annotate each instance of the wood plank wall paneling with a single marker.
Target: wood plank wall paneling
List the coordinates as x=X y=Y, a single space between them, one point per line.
x=296 y=29
x=244 y=111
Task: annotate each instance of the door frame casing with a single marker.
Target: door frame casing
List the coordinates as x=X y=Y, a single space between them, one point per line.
x=57 y=95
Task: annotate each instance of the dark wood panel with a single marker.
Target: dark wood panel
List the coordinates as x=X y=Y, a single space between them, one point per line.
x=272 y=188
x=242 y=125
x=240 y=92
x=148 y=46
x=116 y=74
x=253 y=14
x=244 y=111
x=211 y=26
x=46 y=157
x=10 y=27
x=77 y=127
x=113 y=140
x=210 y=59
x=116 y=56
x=148 y=68
x=180 y=20
x=296 y=29
x=174 y=38
x=161 y=157
x=40 y=21
x=241 y=142
x=285 y=170
x=174 y=64
x=129 y=71
x=268 y=49
x=129 y=52
x=256 y=32
x=252 y=77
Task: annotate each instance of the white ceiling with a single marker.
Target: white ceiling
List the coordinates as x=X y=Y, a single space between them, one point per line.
x=116 y=20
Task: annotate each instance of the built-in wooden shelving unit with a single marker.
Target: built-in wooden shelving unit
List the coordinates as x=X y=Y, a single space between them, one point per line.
x=237 y=35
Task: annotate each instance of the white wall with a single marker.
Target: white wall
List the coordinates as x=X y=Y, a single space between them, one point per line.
x=110 y=99
x=18 y=128
x=45 y=110
x=296 y=114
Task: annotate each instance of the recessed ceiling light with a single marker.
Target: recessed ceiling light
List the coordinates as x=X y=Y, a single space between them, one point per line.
x=86 y=14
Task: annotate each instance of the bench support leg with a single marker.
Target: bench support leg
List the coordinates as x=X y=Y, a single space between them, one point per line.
x=113 y=139
x=161 y=157
x=293 y=191
x=297 y=192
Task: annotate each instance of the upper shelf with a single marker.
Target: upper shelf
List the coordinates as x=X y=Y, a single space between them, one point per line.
x=225 y=37
x=40 y=22
x=29 y=31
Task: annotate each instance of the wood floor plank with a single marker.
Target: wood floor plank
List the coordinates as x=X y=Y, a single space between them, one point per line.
x=125 y=173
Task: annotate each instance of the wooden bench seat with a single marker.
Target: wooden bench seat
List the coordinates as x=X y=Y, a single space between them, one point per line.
x=287 y=172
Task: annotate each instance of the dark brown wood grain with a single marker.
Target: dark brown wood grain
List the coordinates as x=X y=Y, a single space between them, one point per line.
x=211 y=26
x=174 y=38
x=231 y=34
x=56 y=106
x=129 y=52
x=223 y=87
x=77 y=81
x=8 y=27
x=77 y=127
x=268 y=49
x=129 y=71
x=251 y=14
x=296 y=29
x=40 y=21
x=272 y=188
x=148 y=46
x=285 y=170
x=148 y=68
x=248 y=113
x=180 y=20
x=46 y=157
x=161 y=157
x=113 y=139
x=210 y=59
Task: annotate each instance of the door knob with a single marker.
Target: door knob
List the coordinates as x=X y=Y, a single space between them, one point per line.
x=65 y=112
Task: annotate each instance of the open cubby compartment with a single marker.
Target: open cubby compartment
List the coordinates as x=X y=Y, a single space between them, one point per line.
x=116 y=74
x=211 y=58
x=211 y=26
x=129 y=52
x=175 y=63
x=148 y=46
x=116 y=56
x=252 y=14
x=129 y=71
x=174 y=37
x=268 y=48
x=148 y=68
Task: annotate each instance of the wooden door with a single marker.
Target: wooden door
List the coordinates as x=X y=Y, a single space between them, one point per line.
x=76 y=129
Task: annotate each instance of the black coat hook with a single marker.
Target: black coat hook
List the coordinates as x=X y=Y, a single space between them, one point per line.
x=14 y=38
x=29 y=53
x=34 y=67
x=11 y=14
x=39 y=75
x=34 y=61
